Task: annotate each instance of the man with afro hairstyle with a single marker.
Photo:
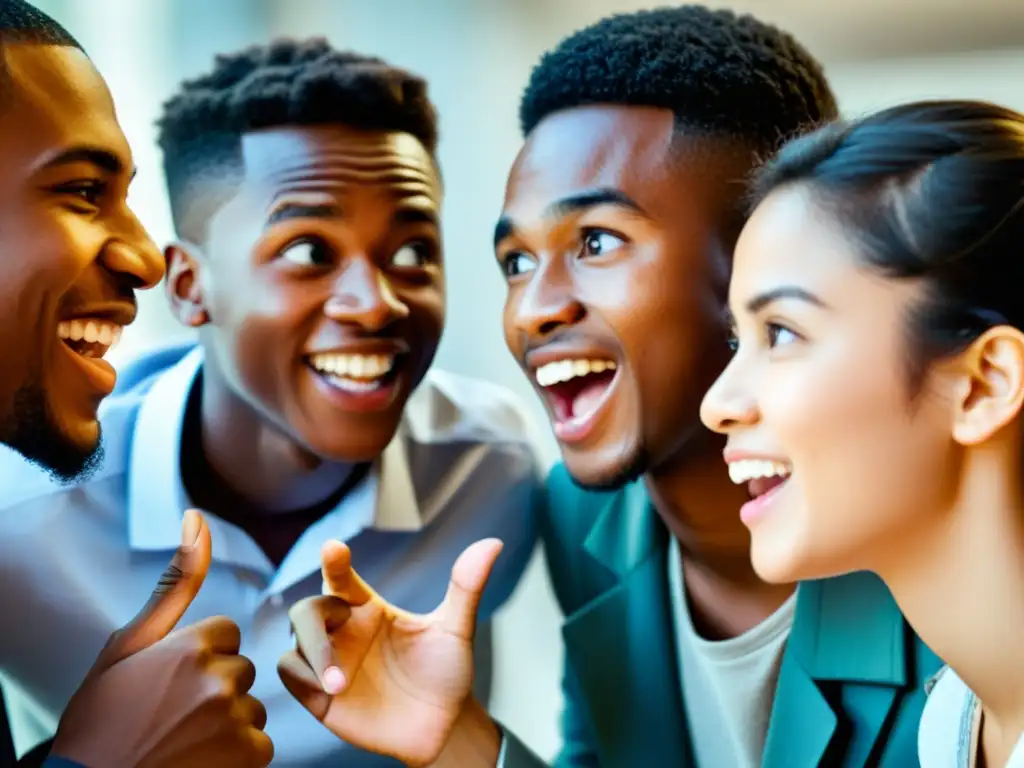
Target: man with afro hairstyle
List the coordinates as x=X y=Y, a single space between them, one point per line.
x=616 y=237
x=306 y=198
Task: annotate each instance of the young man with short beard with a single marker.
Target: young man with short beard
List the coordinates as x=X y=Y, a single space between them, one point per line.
x=616 y=238
x=73 y=255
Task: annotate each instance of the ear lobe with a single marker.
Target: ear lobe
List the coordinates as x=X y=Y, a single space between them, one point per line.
x=993 y=385
x=183 y=284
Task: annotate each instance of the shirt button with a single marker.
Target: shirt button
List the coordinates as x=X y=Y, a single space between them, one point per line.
x=276 y=600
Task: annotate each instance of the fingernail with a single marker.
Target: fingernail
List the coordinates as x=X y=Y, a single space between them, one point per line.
x=190 y=528
x=334 y=680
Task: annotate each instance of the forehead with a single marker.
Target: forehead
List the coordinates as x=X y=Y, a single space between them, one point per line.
x=792 y=239
x=589 y=147
x=335 y=158
x=637 y=150
x=57 y=99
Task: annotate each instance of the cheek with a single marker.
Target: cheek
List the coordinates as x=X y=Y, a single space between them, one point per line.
x=44 y=252
x=258 y=326
x=513 y=338
x=668 y=322
x=865 y=459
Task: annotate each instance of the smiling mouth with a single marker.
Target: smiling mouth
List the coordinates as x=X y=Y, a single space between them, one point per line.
x=575 y=390
x=354 y=373
x=90 y=338
x=761 y=476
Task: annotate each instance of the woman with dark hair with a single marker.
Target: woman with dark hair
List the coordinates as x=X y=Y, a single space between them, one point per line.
x=874 y=404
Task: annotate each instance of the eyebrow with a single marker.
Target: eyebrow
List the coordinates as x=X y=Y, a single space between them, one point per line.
x=762 y=300
x=573 y=204
x=101 y=158
x=287 y=211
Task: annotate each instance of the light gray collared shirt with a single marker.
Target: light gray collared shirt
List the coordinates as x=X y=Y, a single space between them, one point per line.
x=78 y=562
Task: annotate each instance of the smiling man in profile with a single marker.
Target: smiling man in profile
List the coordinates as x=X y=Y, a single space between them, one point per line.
x=72 y=255
x=307 y=202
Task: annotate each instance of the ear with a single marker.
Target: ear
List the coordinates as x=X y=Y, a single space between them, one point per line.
x=183 y=284
x=991 y=391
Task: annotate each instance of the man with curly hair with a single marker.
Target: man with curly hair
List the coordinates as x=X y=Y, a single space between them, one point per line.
x=620 y=216
x=306 y=199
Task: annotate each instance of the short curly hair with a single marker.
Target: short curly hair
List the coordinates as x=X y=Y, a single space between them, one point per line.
x=719 y=73
x=288 y=82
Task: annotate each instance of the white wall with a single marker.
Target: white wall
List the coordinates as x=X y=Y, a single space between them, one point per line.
x=477 y=56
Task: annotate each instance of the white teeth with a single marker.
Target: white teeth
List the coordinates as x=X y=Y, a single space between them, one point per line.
x=745 y=470
x=563 y=370
x=91 y=331
x=357 y=369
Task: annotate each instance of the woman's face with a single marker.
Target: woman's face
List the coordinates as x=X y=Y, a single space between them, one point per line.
x=844 y=460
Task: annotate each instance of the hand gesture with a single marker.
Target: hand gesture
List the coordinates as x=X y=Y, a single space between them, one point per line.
x=380 y=678
x=162 y=699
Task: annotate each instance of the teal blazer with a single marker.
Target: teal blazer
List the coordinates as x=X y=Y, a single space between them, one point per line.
x=851 y=685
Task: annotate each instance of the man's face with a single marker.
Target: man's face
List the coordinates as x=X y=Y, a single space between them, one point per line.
x=615 y=240
x=72 y=254
x=321 y=284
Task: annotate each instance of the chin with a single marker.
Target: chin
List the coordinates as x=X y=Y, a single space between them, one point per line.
x=788 y=562
x=349 y=446
x=593 y=471
x=779 y=559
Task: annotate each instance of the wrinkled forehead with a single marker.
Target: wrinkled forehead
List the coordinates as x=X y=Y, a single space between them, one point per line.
x=615 y=147
x=332 y=158
x=54 y=97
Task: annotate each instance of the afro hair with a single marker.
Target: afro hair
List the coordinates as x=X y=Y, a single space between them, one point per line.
x=719 y=73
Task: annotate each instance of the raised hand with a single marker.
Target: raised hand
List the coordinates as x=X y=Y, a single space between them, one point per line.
x=380 y=678
x=157 y=698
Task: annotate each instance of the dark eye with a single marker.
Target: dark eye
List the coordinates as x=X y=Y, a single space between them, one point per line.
x=90 y=192
x=517 y=263
x=779 y=335
x=597 y=242
x=307 y=253
x=411 y=256
x=732 y=340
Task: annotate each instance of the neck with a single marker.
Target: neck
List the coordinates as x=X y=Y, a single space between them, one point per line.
x=249 y=462
x=960 y=584
x=700 y=506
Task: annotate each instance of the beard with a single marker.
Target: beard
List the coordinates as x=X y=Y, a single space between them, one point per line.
x=30 y=429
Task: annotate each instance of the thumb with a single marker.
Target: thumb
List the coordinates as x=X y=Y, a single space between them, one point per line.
x=172 y=596
x=457 y=613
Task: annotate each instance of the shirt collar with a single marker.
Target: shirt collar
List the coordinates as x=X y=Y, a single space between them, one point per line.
x=157 y=497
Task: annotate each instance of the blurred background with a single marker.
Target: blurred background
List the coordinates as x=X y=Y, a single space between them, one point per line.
x=477 y=55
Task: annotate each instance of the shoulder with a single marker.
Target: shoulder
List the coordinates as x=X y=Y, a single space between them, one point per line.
x=470 y=413
x=136 y=375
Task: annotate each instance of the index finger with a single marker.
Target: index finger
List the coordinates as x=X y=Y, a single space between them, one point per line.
x=340 y=578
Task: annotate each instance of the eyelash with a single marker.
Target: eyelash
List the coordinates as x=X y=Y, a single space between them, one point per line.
x=771 y=331
x=93 y=190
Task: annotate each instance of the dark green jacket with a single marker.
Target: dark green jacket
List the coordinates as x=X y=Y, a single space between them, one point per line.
x=851 y=686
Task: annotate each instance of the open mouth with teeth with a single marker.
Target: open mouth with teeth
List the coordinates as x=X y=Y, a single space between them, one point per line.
x=576 y=389
x=89 y=338
x=356 y=374
x=762 y=477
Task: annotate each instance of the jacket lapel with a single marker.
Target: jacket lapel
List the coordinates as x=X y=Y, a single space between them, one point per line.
x=620 y=645
x=848 y=639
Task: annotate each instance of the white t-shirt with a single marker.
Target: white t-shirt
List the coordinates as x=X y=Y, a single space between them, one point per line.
x=951 y=726
x=728 y=685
